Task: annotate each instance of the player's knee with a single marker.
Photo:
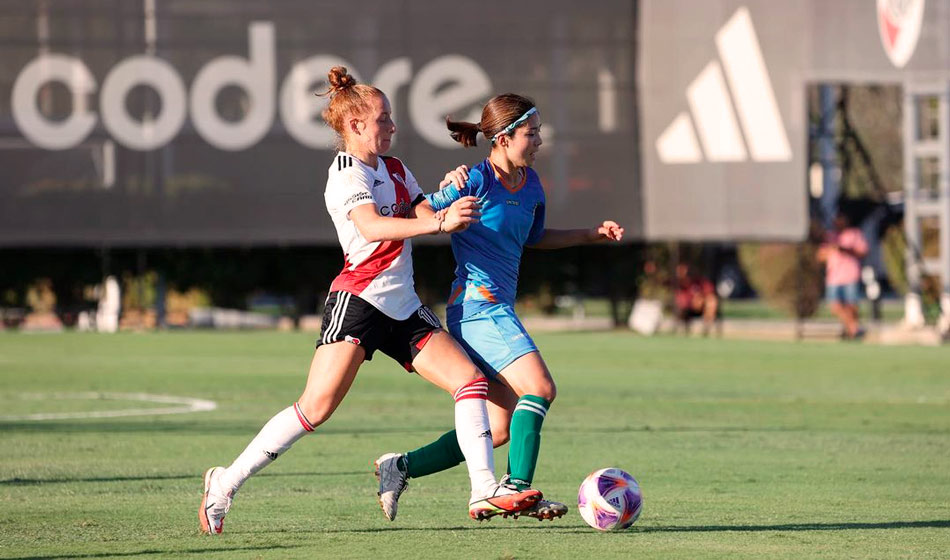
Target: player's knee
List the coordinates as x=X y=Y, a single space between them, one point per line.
x=467 y=378
x=475 y=374
x=547 y=391
x=316 y=411
x=500 y=436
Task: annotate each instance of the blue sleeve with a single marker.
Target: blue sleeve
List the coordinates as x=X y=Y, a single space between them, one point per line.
x=444 y=198
x=537 y=227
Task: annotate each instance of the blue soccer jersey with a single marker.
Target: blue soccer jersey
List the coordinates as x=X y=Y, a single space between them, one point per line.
x=488 y=253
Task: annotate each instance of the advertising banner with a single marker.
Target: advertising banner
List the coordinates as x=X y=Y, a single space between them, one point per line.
x=173 y=122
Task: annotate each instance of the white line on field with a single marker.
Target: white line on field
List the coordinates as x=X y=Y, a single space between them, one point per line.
x=184 y=405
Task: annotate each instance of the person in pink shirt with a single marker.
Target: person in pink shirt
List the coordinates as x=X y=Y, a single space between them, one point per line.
x=842 y=251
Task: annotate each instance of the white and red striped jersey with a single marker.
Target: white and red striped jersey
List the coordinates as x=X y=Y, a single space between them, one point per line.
x=378 y=272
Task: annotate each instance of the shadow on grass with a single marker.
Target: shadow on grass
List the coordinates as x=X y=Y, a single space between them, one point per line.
x=146 y=478
x=581 y=528
x=207 y=428
x=218 y=428
x=156 y=553
x=937 y=523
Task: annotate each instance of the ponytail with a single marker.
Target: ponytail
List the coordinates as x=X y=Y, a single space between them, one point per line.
x=501 y=115
x=465 y=133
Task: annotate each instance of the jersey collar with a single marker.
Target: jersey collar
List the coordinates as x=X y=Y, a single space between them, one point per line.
x=510 y=188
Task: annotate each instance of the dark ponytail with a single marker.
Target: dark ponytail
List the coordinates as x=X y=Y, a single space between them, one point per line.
x=465 y=133
x=498 y=113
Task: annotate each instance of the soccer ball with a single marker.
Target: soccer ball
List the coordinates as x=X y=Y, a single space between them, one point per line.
x=609 y=499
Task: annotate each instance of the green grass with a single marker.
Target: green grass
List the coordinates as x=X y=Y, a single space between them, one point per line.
x=743 y=450
x=892 y=310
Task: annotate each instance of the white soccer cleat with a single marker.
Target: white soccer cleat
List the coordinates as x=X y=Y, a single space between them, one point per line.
x=393 y=476
x=215 y=503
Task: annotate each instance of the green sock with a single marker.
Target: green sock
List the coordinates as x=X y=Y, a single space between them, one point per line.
x=526 y=439
x=443 y=453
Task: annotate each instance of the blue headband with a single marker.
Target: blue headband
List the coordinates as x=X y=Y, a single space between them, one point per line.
x=514 y=125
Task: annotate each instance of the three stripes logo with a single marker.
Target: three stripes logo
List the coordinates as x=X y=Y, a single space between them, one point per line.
x=717 y=116
x=343 y=162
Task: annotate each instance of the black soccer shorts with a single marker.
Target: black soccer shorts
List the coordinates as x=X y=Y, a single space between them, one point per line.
x=349 y=318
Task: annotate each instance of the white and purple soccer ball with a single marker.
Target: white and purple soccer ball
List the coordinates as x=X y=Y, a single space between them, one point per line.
x=609 y=499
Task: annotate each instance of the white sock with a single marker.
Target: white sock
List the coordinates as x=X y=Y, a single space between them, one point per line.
x=277 y=435
x=474 y=435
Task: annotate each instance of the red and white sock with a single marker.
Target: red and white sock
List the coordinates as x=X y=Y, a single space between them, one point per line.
x=276 y=437
x=474 y=434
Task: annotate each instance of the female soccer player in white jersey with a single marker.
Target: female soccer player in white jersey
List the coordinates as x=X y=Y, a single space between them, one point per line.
x=376 y=206
x=480 y=310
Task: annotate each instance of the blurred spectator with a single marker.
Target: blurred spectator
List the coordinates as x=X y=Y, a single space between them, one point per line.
x=695 y=297
x=842 y=251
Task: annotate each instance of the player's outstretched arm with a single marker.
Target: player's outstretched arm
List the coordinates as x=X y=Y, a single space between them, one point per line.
x=560 y=238
x=457 y=217
x=373 y=227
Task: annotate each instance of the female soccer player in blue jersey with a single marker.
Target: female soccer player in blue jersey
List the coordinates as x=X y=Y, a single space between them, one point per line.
x=480 y=311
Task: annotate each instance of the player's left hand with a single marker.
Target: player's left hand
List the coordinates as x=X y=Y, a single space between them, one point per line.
x=457 y=177
x=608 y=231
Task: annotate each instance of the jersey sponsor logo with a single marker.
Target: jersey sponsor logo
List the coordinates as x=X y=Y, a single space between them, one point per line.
x=512 y=203
x=899 y=23
x=358 y=197
x=396 y=210
x=715 y=115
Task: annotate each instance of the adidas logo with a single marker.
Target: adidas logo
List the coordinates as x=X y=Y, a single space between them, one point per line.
x=714 y=112
x=376 y=183
x=271 y=455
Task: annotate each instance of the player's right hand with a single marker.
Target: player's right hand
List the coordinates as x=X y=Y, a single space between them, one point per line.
x=461 y=214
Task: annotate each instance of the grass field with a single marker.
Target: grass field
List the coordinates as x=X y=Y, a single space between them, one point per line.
x=743 y=450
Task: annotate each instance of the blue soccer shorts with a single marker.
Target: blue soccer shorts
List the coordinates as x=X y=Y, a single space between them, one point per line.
x=493 y=337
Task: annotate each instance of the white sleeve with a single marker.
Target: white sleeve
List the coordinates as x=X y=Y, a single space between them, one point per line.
x=412 y=186
x=348 y=189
